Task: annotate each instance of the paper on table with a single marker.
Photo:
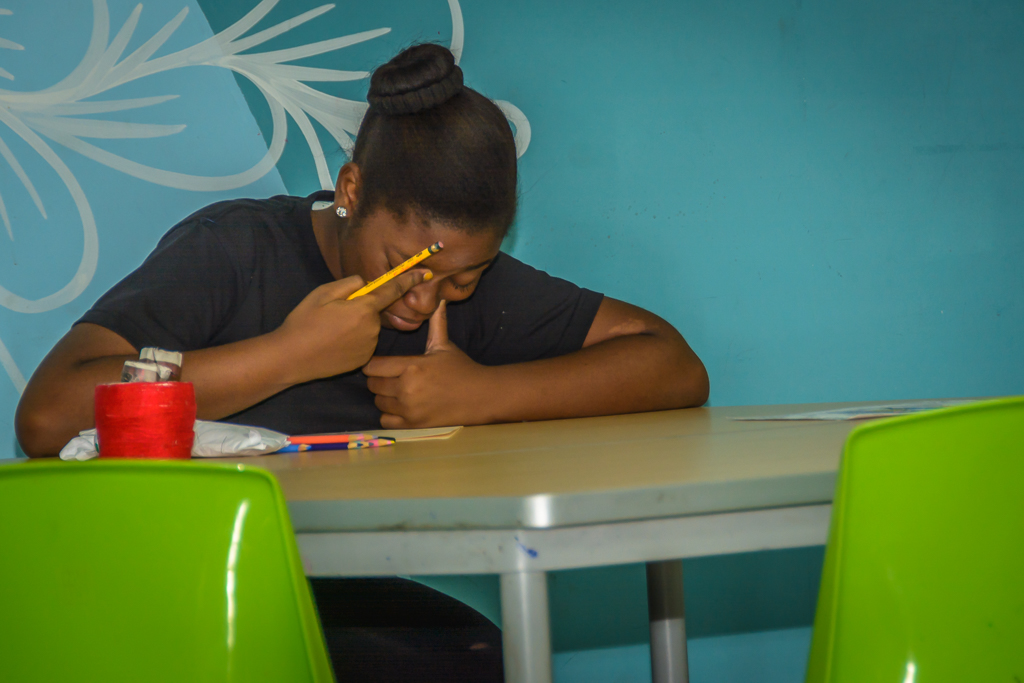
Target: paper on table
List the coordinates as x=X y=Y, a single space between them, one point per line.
x=396 y=434
x=226 y=440
x=212 y=440
x=865 y=412
x=416 y=434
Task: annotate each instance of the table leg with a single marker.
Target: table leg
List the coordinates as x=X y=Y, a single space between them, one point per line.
x=525 y=630
x=668 y=626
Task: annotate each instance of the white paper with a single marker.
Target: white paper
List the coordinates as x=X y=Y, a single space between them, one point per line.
x=865 y=412
x=213 y=440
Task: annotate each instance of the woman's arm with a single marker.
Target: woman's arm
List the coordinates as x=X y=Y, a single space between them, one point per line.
x=58 y=401
x=631 y=361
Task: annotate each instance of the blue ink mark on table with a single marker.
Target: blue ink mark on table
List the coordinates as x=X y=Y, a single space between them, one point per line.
x=529 y=551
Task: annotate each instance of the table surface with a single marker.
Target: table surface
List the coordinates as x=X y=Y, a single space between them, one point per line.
x=561 y=473
x=569 y=472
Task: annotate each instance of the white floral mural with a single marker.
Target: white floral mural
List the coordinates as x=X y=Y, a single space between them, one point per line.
x=67 y=117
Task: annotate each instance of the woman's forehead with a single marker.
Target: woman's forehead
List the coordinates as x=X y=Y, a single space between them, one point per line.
x=409 y=234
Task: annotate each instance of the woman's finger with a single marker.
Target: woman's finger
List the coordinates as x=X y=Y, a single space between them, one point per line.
x=389 y=421
x=387 y=366
x=437 y=335
x=388 y=404
x=384 y=386
x=339 y=290
x=390 y=292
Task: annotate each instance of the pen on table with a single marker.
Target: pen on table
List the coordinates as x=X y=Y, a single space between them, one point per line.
x=398 y=270
x=340 y=446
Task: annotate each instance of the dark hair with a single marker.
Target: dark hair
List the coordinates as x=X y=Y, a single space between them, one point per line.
x=431 y=145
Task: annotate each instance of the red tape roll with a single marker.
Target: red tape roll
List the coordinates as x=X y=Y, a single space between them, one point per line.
x=145 y=419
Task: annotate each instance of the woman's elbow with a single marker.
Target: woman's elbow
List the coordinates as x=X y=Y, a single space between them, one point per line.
x=690 y=385
x=699 y=385
x=35 y=428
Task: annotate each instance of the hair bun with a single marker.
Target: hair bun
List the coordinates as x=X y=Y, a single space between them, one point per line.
x=421 y=77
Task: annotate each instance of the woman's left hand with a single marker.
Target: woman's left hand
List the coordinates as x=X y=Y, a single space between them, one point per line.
x=442 y=387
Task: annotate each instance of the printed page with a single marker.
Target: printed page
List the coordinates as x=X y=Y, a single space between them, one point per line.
x=865 y=412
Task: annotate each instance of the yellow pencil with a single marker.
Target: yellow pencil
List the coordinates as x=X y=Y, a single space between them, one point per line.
x=398 y=270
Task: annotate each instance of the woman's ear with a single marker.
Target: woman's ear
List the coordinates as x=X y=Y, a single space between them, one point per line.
x=348 y=187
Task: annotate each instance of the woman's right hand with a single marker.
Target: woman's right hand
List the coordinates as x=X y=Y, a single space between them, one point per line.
x=326 y=334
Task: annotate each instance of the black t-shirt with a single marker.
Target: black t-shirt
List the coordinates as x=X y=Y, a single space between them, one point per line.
x=236 y=269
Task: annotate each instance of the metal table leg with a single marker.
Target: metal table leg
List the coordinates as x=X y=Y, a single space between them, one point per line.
x=525 y=630
x=668 y=626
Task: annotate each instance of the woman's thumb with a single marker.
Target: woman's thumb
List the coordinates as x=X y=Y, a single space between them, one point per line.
x=437 y=335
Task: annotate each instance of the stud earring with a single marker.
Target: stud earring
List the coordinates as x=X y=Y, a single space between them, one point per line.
x=341 y=211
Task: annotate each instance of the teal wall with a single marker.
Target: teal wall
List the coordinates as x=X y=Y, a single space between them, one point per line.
x=41 y=254
x=824 y=197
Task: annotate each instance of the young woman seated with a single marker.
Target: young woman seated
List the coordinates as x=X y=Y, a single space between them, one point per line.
x=254 y=292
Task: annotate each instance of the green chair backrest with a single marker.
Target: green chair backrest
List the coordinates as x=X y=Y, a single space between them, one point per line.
x=924 y=570
x=121 y=570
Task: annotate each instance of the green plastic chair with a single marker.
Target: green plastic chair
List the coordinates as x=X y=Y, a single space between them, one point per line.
x=924 y=571
x=145 y=570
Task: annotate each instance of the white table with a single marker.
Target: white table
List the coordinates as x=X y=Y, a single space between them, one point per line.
x=523 y=499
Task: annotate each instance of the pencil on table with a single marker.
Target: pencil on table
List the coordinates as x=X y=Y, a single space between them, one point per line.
x=398 y=270
x=329 y=438
x=342 y=446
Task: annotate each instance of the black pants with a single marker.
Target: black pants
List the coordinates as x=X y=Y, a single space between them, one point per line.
x=401 y=631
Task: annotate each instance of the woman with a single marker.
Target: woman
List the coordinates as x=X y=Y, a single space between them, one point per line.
x=255 y=295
